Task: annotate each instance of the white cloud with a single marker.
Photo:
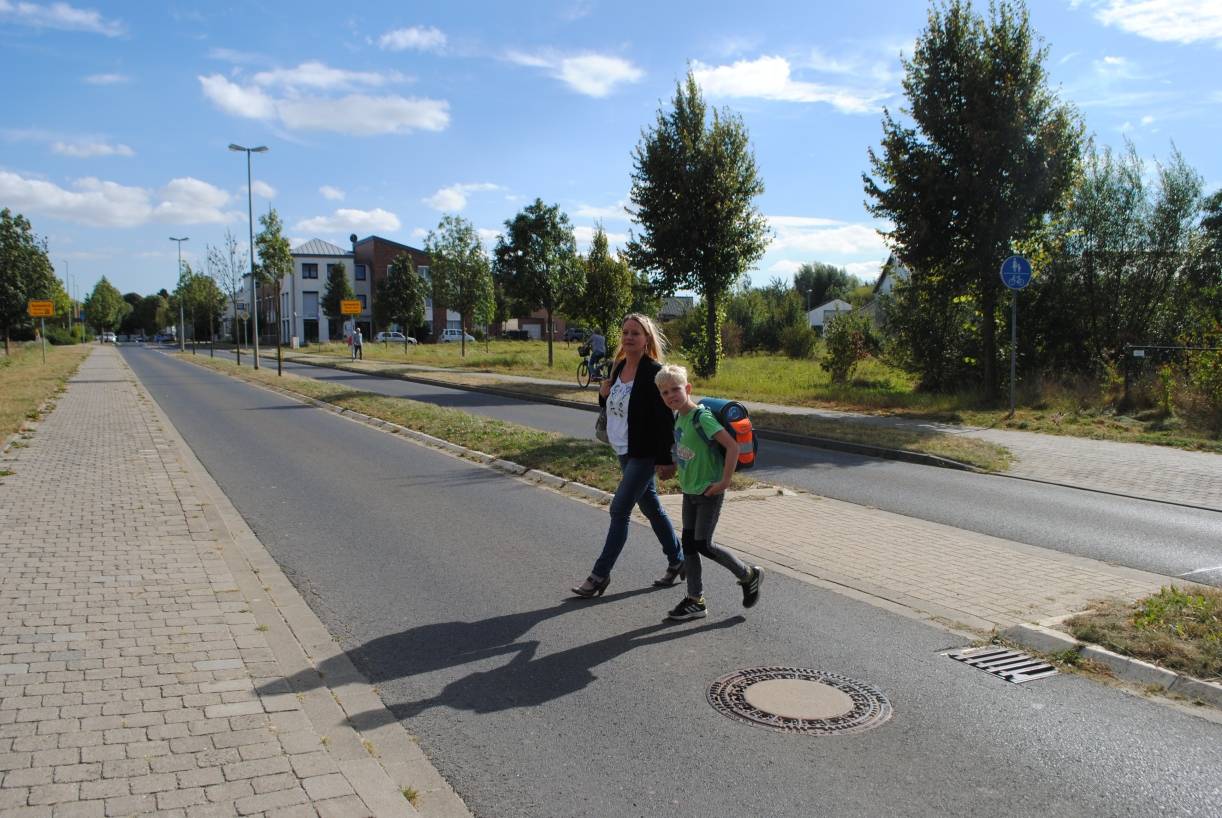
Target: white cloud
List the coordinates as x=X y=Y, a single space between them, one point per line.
x=454 y=197
x=770 y=78
x=784 y=268
x=262 y=189
x=107 y=79
x=332 y=193
x=584 y=235
x=416 y=38
x=319 y=76
x=810 y=238
x=594 y=75
x=87 y=149
x=99 y=203
x=1169 y=21
x=615 y=212
x=59 y=16
x=356 y=114
x=867 y=271
x=488 y=236
x=345 y=221
x=237 y=57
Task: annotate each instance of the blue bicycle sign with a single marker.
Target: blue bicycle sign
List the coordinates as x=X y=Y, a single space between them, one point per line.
x=1016 y=272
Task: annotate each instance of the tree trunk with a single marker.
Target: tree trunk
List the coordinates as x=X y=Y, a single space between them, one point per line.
x=549 y=339
x=710 y=331
x=989 y=353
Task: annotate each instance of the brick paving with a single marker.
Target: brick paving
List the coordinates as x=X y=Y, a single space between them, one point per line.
x=135 y=676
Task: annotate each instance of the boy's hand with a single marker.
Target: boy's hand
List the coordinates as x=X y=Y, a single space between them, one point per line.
x=717 y=488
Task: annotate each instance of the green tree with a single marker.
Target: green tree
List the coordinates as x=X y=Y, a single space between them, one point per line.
x=537 y=261
x=105 y=307
x=693 y=183
x=608 y=293
x=645 y=298
x=462 y=273
x=818 y=283
x=25 y=271
x=275 y=255
x=401 y=296
x=990 y=154
x=338 y=288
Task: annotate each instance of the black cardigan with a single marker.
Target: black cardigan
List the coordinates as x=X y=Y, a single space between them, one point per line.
x=651 y=423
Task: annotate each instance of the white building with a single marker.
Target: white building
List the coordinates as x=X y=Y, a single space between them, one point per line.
x=820 y=315
x=301 y=316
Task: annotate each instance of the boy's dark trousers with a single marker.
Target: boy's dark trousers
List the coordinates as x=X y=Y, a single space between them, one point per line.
x=700 y=515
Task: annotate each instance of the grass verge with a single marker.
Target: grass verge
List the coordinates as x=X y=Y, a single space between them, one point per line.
x=1175 y=628
x=26 y=383
x=978 y=453
x=585 y=461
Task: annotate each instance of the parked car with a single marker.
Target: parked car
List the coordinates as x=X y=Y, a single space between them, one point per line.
x=450 y=334
x=393 y=337
x=108 y=338
x=163 y=338
x=576 y=334
x=516 y=335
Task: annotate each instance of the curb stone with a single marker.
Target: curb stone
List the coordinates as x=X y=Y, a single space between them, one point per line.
x=1046 y=639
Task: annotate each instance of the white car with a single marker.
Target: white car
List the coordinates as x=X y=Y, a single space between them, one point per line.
x=108 y=338
x=394 y=337
x=451 y=334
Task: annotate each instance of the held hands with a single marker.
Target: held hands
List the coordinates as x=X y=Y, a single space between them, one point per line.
x=664 y=472
x=717 y=488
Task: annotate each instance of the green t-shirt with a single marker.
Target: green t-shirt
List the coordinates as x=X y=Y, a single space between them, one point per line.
x=700 y=464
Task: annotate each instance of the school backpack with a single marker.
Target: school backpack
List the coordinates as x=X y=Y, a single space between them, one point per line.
x=733 y=417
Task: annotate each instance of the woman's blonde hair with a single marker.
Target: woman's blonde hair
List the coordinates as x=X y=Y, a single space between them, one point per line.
x=655 y=341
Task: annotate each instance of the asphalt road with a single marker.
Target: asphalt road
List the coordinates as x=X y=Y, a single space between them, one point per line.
x=1151 y=536
x=447 y=583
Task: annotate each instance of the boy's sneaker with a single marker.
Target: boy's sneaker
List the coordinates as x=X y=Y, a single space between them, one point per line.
x=688 y=609
x=751 y=586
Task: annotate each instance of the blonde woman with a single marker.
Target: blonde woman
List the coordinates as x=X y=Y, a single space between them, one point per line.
x=641 y=430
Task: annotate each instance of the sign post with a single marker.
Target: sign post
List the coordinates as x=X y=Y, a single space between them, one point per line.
x=42 y=310
x=350 y=306
x=1015 y=274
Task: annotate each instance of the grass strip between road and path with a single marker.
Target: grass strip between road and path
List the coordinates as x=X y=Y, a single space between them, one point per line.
x=583 y=461
x=26 y=383
x=978 y=453
x=1177 y=628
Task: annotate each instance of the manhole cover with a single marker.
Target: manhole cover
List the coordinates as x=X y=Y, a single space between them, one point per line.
x=797 y=700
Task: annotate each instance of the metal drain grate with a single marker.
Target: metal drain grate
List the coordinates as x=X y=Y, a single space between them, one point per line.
x=1011 y=665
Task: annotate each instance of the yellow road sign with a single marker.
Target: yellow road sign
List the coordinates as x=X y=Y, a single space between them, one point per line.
x=41 y=309
x=349 y=306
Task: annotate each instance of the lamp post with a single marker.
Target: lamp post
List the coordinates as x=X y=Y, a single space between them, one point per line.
x=182 y=329
x=250 y=214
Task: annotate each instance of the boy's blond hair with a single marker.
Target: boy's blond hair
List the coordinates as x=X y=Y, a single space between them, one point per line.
x=671 y=373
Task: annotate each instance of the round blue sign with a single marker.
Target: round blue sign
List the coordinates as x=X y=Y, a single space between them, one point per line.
x=1016 y=272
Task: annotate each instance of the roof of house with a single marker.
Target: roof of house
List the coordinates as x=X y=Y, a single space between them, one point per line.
x=835 y=303
x=390 y=241
x=318 y=247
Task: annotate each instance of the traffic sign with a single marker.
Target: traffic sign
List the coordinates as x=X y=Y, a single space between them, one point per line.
x=349 y=306
x=41 y=309
x=1016 y=272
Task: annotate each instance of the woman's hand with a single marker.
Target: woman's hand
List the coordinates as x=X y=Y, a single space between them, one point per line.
x=664 y=472
x=604 y=388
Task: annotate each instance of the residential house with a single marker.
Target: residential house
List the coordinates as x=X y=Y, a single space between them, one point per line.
x=893 y=271
x=675 y=306
x=301 y=315
x=377 y=253
x=820 y=315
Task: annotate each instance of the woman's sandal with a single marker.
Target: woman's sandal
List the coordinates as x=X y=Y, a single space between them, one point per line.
x=592 y=587
x=672 y=575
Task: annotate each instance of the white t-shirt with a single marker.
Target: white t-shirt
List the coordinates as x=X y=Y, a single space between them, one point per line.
x=617 y=415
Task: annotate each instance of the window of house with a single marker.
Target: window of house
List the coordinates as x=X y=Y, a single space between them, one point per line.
x=330 y=269
x=309 y=303
x=360 y=272
x=309 y=270
x=424 y=272
x=361 y=298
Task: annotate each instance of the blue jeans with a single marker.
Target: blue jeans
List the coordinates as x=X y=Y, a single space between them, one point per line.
x=636 y=487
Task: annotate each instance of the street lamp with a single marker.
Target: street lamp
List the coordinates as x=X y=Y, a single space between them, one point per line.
x=182 y=325
x=250 y=215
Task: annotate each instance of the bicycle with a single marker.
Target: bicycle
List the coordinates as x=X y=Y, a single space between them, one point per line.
x=587 y=371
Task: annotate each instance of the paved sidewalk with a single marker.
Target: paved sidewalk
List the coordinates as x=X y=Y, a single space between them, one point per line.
x=1130 y=469
x=146 y=635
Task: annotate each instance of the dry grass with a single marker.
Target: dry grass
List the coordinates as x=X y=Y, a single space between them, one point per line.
x=26 y=383
x=1176 y=628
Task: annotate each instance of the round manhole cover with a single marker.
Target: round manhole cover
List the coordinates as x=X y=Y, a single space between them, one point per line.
x=797 y=700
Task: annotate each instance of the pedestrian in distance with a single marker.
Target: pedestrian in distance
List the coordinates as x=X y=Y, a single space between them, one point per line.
x=640 y=428
x=358 y=345
x=705 y=455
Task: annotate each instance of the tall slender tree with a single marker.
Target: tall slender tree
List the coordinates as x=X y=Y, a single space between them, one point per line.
x=537 y=261
x=275 y=256
x=401 y=296
x=338 y=288
x=461 y=271
x=608 y=292
x=991 y=152
x=694 y=183
x=105 y=307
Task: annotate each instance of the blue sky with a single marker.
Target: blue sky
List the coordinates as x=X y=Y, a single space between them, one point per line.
x=382 y=116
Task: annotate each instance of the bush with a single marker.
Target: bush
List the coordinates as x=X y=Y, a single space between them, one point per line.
x=61 y=336
x=849 y=339
x=799 y=342
x=731 y=339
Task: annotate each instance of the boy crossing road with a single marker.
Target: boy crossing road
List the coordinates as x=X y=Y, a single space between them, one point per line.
x=704 y=474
